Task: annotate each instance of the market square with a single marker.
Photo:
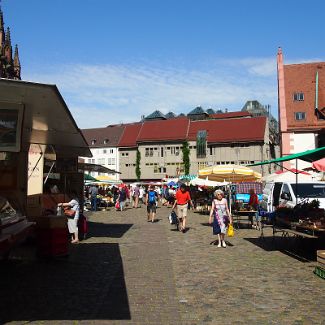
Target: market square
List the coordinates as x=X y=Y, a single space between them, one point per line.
x=162 y=162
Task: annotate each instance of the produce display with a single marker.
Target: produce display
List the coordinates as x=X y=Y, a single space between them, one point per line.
x=7 y=212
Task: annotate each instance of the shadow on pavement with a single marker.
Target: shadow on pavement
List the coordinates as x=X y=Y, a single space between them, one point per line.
x=97 y=229
x=89 y=284
x=302 y=249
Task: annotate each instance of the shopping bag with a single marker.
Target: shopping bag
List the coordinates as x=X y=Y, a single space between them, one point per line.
x=230 y=231
x=117 y=205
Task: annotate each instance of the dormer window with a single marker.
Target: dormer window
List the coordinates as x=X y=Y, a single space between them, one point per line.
x=298 y=97
x=93 y=141
x=106 y=141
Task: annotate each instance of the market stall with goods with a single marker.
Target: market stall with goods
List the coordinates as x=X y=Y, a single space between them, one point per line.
x=298 y=204
x=39 y=147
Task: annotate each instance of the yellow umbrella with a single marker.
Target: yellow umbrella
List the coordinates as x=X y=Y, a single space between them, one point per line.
x=230 y=173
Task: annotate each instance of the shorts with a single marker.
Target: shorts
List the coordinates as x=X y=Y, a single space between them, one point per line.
x=151 y=207
x=182 y=210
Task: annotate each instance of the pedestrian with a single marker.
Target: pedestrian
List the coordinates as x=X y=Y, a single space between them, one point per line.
x=136 y=194
x=220 y=217
x=73 y=204
x=122 y=197
x=142 y=194
x=151 y=203
x=93 y=191
x=182 y=199
x=253 y=205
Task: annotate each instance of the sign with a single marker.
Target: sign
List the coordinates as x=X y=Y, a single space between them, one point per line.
x=10 y=128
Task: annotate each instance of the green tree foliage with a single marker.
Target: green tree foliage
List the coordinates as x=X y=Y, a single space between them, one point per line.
x=186 y=157
x=137 y=165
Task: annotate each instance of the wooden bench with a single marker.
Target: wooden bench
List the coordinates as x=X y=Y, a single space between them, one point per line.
x=286 y=232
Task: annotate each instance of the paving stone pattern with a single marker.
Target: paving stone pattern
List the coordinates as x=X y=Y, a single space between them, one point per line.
x=130 y=271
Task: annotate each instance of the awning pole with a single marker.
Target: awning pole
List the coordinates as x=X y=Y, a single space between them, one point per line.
x=296 y=182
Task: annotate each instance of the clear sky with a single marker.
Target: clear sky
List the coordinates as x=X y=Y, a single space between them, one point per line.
x=114 y=61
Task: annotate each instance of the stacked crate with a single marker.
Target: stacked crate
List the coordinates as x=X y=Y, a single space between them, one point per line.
x=320 y=268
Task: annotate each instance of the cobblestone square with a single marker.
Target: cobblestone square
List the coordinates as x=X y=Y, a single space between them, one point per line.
x=130 y=271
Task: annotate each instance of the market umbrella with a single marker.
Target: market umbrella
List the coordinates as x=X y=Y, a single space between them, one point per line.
x=319 y=165
x=229 y=173
x=88 y=177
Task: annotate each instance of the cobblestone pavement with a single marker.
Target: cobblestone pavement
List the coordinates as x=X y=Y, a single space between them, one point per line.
x=129 y=271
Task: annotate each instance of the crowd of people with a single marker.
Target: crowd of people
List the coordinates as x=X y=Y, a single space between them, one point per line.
x=180 y=199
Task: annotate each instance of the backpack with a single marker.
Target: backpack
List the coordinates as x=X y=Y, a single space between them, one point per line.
x=152 y=197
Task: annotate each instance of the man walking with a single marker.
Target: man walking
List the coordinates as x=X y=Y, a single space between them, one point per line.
x=93 y=191
x=182 y=199
x=151 y=203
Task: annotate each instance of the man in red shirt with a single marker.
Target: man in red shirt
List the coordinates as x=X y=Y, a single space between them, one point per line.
x=182 y=199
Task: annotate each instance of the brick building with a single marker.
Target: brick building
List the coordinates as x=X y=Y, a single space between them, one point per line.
x=301 y=89
x=10 y=67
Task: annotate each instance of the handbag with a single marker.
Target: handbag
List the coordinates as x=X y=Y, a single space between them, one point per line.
x=230 y=231
x=70 y=213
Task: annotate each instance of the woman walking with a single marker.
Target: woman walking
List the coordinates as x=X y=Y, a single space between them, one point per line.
x=220 y=217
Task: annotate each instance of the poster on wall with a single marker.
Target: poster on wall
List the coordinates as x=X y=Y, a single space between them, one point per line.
x=10 y=128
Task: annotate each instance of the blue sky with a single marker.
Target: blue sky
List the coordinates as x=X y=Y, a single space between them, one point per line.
x=114 y=61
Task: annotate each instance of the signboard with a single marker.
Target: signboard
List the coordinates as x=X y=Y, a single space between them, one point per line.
x=10 y=127
x=35 y=169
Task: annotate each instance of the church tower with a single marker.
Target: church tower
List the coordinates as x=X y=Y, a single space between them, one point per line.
x=10 y=68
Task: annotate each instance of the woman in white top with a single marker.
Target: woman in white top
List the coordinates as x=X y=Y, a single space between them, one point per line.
x=73 y=222
x=220 y=217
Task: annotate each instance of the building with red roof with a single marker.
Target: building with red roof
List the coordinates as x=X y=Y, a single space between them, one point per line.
x=301 y=89
x=222 y=138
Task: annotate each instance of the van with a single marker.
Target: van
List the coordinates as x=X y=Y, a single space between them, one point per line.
x=289 y=194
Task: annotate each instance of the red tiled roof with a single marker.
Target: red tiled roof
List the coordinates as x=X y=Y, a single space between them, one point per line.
x=130 y=135
x=110 y=134
x=230 y=115
x=164 y=130
x=230 y=130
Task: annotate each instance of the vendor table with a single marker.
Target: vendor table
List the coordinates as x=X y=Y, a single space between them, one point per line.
x=238 y=214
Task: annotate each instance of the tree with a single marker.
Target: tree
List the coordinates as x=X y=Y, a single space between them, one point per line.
x=137 y=165
x=186 y=157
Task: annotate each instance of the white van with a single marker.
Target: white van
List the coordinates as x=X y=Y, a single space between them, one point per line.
x=289 y=194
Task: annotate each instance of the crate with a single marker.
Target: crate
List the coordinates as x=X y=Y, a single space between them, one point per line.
x=321 y=258
x=320 y=272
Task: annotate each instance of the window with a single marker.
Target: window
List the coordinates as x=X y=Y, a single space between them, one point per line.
x=161 y=152
x=105 y=141
x=286 y=192
x=201 y=141
x=101 y=161
x=149 y=152
x=113 y=161
x=104 y=151
x=89 y=161
x=93 y=161
x=93 y=141
x=298 y=97
x=109 y=161
x=111 y=151
x=300 y=116
x=211 y=151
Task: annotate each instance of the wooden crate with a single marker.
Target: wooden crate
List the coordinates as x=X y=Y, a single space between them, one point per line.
x=321 y=258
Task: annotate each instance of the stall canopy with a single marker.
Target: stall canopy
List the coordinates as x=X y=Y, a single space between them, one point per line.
x=229 y=173
x=319 y=165
x=46 y=117
x=309 y=155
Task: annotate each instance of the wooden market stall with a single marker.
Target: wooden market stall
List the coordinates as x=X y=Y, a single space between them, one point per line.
x=38 y=138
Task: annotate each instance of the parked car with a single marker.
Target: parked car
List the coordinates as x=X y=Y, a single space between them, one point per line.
x=289 y=194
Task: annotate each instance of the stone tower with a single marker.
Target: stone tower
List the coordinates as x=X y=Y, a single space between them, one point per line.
x=10 y=68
